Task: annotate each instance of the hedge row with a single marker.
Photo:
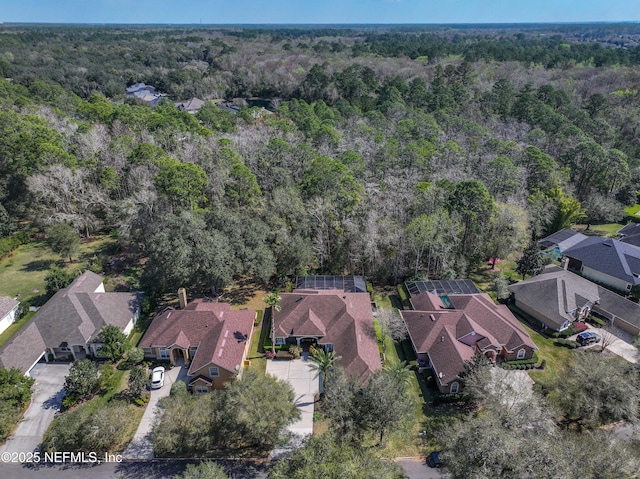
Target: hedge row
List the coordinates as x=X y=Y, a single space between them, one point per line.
x=533 y=360
x=9 y=243
x=567 y=343
x=521 y=367
x=404 y=297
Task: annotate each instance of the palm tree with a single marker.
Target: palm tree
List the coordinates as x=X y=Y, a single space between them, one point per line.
x=398 y=371
x=272 y=300
x=323 y=363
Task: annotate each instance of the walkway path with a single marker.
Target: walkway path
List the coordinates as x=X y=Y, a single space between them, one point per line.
x=140 y=447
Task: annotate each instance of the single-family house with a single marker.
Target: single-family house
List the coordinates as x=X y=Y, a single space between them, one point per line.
x=67 y=326
x=561 y=240
x=607 y=261
x=8 y=312
x=630 y=234
x=335 y=313
x=557 y=297
x=192 y=105
x=139 y=88
x=210 y=337
x=447 y=330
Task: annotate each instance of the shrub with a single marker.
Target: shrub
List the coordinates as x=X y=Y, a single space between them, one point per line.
x=9 y=243
x=295 y=351
x=179 y=388
x=258 y=319
x=404 y=297
x=595 y=321
x=567 y=343
x=579 y=327
x=543 y=364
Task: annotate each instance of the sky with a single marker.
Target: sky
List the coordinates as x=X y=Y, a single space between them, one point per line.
x=317 y=11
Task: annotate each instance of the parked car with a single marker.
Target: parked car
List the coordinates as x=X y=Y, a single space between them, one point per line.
x=157 y=378
x=587 y=338
x=433 y=459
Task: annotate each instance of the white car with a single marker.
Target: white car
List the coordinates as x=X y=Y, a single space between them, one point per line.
x=157 y=378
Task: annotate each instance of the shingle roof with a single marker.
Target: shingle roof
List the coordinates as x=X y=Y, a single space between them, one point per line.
x=193 y=104
x=449 y=336
x=24 y=349
x=74 y=315
x=342 y=319
x=219 y=332
x=7 y=305
x=608 y=256
x=77 y=314
x=563 y=239
x=555 y=291
x=556 y=294
x=630 y=234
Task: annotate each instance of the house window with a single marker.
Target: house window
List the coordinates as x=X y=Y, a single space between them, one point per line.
x=164 y=353
x=201 y=389
x=454 y=388
x=280 y=341
x=214 y=372
x=521 y=354
x=328 y=347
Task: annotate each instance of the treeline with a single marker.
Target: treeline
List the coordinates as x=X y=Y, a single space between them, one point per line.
x=385 y=167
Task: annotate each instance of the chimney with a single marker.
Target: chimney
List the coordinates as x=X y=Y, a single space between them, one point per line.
x=182 y=297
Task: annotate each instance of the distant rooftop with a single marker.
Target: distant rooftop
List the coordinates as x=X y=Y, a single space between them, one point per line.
x=348 y=284
x=442 y=287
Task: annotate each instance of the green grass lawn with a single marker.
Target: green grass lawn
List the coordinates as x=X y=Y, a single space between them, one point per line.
x=555 y=356
x=22 y=274
x=8 y=333
x=258 y=359
x=632 y=211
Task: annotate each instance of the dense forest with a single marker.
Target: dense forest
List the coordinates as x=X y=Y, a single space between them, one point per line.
x=389 y=152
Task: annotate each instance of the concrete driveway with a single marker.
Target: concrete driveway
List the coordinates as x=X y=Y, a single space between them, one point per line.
x=622 y=346
x=140 y=447
x=302 y=378
x=45 y=403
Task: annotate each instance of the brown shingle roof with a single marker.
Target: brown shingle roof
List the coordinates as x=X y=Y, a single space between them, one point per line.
x=219 y=333
x=450 y=336
x=342 y=319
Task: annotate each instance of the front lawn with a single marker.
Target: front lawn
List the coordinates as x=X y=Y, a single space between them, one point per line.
x=555 y=356
x=106 y=422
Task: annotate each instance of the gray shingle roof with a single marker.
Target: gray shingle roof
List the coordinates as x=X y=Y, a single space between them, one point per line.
x=563 y=239
x=556 y=291
x=608 y=256
x=6 y=305
x=74 y=315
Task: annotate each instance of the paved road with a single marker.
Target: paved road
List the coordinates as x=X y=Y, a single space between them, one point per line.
x=127 y=470
x=140 y=446
x=415 y=468
x=45 y=403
